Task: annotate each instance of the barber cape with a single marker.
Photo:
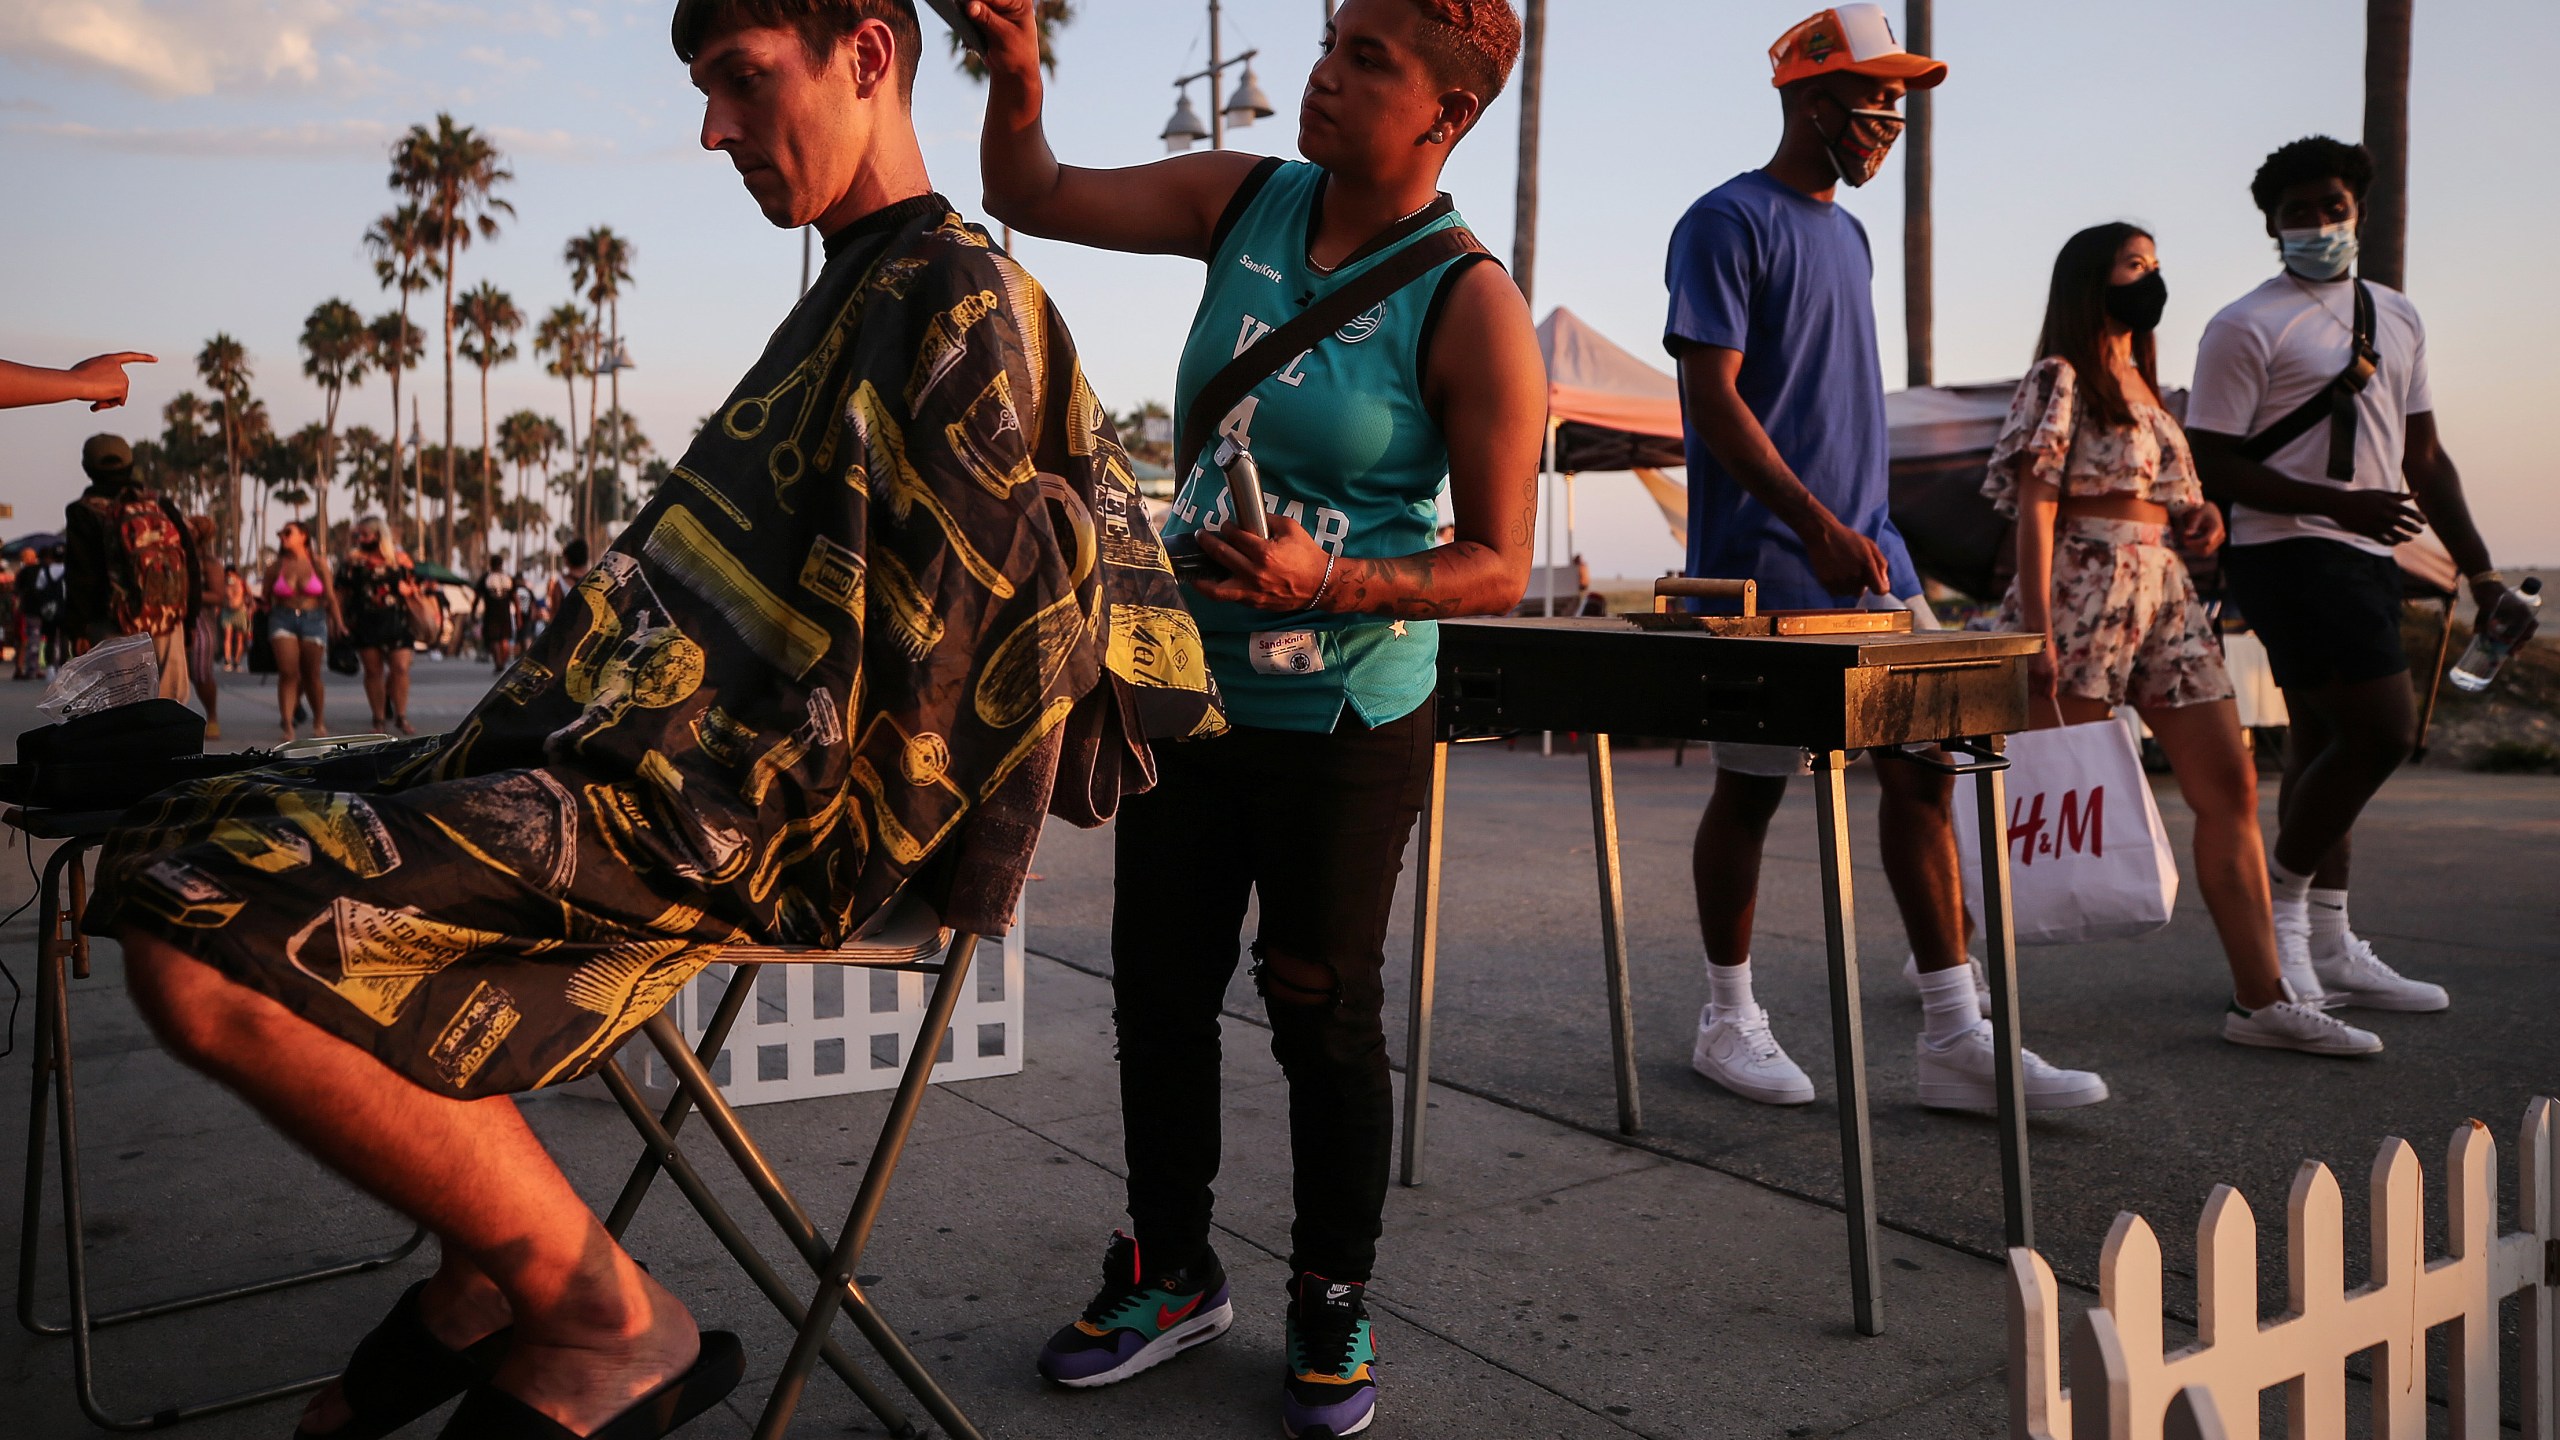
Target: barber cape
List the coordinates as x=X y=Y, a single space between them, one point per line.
x=898 y=595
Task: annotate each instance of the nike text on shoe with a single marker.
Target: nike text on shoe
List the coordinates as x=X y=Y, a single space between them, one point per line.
x=1981 y=978
x=2292 y=1025
x=1736 y=1050
x=1957 y=1076
x=1329 y=1390
x=2356 y=976
x=1138 y=1321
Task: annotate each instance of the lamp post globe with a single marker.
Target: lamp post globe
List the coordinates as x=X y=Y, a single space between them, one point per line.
x=1184 y=130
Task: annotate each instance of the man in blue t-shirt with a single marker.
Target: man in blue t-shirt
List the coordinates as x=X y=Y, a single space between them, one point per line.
x=1782 y=399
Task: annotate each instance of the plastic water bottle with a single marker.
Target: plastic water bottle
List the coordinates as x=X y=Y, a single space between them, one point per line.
x=2489 y=650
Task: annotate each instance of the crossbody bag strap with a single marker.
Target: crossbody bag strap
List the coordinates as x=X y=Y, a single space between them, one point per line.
x=2334 y=402
x=1268 y=355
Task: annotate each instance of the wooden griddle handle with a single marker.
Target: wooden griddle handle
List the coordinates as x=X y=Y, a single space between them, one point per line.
x=1683 y=587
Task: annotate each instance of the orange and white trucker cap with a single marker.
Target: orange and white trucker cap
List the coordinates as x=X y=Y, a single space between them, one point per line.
x=1849 y=39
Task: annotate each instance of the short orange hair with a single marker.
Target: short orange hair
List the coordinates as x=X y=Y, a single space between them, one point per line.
x=1472 y=42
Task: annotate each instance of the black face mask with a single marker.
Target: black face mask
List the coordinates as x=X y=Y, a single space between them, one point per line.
x=2136 y=305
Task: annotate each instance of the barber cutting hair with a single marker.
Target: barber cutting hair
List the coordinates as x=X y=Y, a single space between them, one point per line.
x=1772 y=321
x=1417 y=363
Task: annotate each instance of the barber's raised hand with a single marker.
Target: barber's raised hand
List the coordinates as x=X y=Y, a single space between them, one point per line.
x=1281 y=573
x=2382 y=515
x=1013 y=37
x=102 y=379
x=1846 y=562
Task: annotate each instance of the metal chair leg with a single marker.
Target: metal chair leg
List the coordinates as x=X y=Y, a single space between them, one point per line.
x=725 y=1228
x=644 y=1171
x=1613 y=935
x=1848 y=1040
x=837 y=1285
x=1426 y=963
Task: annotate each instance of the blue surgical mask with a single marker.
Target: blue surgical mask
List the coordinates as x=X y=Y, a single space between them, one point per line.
x=2322 y=254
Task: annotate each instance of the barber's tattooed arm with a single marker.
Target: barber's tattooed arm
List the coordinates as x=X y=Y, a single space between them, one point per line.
x=1486 y=386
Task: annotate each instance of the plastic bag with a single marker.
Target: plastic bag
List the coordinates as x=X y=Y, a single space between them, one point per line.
x=118 y=672
x=2088 y=856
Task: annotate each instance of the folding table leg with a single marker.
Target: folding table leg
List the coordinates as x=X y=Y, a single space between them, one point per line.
x=836 y=1283
x=1613 y=935
x=39 y=1095
x=724 y=1228
x=2008 y=1074
x=1426 y=962
x=1848 y=1039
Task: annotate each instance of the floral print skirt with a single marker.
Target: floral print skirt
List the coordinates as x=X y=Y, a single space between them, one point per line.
x=2127 y=627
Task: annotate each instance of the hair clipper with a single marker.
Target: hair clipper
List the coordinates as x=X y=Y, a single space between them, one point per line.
x=1244 y=497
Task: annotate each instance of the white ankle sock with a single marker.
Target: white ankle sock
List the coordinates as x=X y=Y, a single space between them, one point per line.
x=2328 y=912
x=1728 y=989
x=1948 y=1003
x=2290 y=892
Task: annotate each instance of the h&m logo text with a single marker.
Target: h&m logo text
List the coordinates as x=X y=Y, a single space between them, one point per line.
x=2079 y=828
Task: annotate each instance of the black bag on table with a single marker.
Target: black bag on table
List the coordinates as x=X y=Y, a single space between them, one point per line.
x=113 y=758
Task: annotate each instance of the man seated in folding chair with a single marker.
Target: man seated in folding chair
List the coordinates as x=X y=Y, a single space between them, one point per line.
x=849 y=639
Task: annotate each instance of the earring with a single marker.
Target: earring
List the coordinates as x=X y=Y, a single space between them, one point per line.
x=1439 y=136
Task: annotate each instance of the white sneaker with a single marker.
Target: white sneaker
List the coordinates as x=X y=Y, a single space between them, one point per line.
x=2293 y=961
x=1981 y=978
x=1958 y=1077
x=2357 y=976
x=1736 y=1051
x=2290 y=1024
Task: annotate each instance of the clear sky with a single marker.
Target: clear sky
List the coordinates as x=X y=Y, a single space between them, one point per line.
x=177 y=167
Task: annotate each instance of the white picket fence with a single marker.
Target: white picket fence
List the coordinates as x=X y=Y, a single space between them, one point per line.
x=2126 y=1388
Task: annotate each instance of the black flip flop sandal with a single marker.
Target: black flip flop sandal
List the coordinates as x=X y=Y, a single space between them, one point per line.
x=489 y=1413
x=400 y=1371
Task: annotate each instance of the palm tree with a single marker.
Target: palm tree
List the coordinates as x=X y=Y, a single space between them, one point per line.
x=404 y=259
x=395 y=346
x=522 y=444
x=600 y=265
x=224 y=366
x=1524 y=200
x=2385 y=254
x=564 y=336
x=368 y=475
x=245 y=423
x=185 y=449
x=455 y=172
x=621 y=443
x=490 y=320
x=335 y=348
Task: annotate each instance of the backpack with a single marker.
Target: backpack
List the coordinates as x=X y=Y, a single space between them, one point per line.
x=146 y=565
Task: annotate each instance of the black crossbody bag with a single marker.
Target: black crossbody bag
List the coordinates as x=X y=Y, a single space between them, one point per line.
x=1268 y=355
x=2334 y=402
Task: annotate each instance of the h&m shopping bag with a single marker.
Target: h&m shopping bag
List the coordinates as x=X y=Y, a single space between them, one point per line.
x=2088 y=857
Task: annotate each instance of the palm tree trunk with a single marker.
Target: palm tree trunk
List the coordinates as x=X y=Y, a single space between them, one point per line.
x=488 y=505
x=575 y=453
x=328 y=469
x=2384 y=254
x=618 y=419
x=1524 y=214
x=445 y=540
x=595 y=438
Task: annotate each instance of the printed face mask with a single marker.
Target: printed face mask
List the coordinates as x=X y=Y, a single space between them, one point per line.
x=2136 y=304
x=2322 y=254
x=1858 y=151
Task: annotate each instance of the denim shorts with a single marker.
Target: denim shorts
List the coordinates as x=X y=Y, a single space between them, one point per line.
x=311 y=625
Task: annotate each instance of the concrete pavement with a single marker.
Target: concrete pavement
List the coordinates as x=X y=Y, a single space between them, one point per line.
x=1548 y=1279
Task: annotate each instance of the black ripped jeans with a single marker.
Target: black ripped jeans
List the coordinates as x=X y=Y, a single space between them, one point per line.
x=1317 y=825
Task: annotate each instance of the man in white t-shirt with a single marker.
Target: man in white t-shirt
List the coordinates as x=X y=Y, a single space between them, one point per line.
x=2314 y=518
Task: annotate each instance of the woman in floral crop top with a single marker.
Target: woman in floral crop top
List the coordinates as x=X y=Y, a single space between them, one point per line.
x=2100 y=480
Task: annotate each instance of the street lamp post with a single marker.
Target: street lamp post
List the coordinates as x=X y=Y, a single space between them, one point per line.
x=613 y=365
x=1245 y=106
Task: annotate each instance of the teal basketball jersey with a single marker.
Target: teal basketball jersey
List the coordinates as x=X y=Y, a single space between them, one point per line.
x=1345 y=448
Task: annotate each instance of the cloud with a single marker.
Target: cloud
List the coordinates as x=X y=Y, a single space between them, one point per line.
x=177 y=47
x=311 y=139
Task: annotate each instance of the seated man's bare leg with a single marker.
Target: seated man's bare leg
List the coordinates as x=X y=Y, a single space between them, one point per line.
x=593 y=1332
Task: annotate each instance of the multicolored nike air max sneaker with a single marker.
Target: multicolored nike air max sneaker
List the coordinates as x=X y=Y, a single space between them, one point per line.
x=1139 y=1321
x=1329 y=1391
